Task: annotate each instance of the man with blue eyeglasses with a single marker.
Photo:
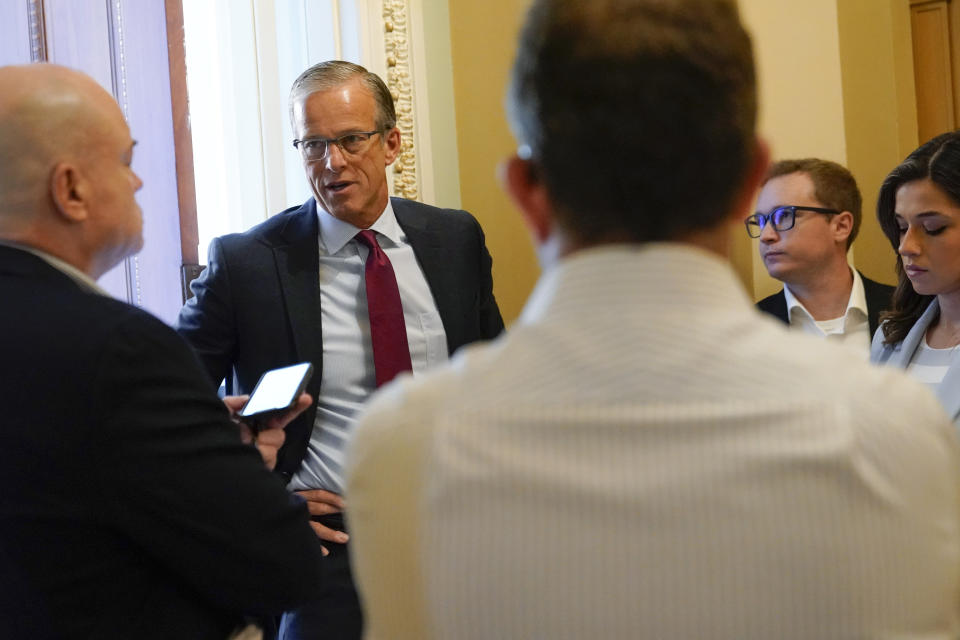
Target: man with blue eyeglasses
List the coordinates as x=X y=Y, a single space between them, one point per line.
x=808 y=215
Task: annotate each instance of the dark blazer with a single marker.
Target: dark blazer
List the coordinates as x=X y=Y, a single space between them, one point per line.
x=129 y=507
x=257 y=304
x=877 y=295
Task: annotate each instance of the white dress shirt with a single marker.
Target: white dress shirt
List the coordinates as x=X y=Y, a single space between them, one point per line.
x=930 y=366
x=644 y=456
x=852 y=329
x=348 y=372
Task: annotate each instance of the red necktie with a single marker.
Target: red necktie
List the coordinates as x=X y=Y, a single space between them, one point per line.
x=388 y=331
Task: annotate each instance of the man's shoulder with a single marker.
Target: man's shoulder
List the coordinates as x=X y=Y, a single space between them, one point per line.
x=801 y=380
x=78 y=324
x=411 y=210
x=772 y=299
x=271 y=231
x=892 y=408
x=775 y=304
x=65 y=301
x=118 y=317
x=816 y=371
x=875 y=289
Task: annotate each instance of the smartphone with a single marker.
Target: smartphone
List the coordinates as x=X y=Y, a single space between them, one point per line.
x=276 y=391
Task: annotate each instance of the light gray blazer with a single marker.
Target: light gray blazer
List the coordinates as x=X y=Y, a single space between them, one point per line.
x=901 y=353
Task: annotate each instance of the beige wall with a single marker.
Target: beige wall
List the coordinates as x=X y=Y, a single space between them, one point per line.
x=801 y=103
x=438 y=69
x=880 y=112
x=836 y=82
x=483 y=38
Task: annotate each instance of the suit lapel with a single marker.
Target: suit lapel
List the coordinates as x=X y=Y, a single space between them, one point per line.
x=903 y=353
x=434 y=258
x=297 y=255
x=776 y=305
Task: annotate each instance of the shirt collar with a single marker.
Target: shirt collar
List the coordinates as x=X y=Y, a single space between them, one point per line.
x=83 y=280
x=857 y=301
x=335 y=233
x=611 y=277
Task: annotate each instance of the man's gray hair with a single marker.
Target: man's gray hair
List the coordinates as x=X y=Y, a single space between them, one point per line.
x=333 y=73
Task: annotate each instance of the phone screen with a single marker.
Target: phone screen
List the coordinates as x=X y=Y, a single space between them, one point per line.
x=277 y=389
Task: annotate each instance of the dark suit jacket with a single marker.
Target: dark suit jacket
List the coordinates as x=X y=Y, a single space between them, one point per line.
x=877 y=295
x=129 y=507
x=257 y=304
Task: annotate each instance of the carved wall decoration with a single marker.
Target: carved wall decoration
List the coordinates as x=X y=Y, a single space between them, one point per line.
x=400 y=81
x=38 y=41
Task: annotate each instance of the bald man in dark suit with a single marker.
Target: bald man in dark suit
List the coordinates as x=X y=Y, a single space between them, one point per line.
x=130 y=506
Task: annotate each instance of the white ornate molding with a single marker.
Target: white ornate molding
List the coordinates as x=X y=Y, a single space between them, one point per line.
x=399 y=79
x=38 y=40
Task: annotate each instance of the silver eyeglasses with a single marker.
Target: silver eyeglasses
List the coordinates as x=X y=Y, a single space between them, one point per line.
x=349 y=143
x=782 y=219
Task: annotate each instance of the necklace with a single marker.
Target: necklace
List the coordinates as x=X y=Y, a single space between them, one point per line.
x=952 y=336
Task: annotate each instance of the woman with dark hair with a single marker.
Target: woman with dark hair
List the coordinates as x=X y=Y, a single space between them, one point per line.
x=919 y=212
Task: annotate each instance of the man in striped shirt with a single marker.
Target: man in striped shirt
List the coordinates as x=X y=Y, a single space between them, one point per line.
x=642 y=455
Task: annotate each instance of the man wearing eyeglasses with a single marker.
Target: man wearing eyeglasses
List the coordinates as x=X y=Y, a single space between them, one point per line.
x=362 y=285
x=808 y=215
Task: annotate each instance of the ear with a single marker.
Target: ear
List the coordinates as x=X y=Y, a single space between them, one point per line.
x=752 y=181
x=521 y=180
x=391 y=145
x=70 y=192
x=842 y=227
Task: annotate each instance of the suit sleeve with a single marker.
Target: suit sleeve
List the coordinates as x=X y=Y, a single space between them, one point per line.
x=488 y=313
x=176 y=479
x=208 y=320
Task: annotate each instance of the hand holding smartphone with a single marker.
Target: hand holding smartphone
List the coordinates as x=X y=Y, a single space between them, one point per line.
x=276 y=391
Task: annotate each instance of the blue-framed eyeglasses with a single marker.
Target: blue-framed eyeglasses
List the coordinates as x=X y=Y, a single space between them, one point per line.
x=782 y=218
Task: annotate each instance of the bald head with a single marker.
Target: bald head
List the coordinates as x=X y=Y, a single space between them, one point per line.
x=63 y=144
x=47 y=113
